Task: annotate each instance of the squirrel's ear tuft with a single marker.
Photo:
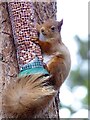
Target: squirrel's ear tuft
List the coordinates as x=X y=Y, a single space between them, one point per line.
x=60 y=25
x=38 y=27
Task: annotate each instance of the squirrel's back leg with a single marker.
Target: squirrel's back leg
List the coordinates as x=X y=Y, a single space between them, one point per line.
x=56 y=67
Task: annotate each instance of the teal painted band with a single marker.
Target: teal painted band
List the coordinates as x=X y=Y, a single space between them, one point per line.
x=39 y=70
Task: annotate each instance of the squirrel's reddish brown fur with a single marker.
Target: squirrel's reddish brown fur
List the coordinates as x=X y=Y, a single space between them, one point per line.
x=59 y=63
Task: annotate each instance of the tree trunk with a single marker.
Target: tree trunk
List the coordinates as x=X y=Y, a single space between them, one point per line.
x=8 y=60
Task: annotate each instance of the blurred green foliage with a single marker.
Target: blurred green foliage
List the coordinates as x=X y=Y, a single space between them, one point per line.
x=79 y=76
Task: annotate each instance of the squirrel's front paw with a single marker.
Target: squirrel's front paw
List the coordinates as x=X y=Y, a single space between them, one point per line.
x=35 y=39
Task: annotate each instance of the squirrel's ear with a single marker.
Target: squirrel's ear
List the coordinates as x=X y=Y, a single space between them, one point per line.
x=38 y=27
x=60 y=25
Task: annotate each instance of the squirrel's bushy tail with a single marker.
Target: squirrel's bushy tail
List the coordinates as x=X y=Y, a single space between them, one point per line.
x=30 y=93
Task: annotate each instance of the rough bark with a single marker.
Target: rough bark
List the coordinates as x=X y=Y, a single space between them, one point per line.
x=8 y=61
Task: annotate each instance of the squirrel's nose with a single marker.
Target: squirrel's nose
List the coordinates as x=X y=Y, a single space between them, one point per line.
x=42 y=30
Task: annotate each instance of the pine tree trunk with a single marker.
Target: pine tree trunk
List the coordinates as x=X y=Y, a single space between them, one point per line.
x=8 y=60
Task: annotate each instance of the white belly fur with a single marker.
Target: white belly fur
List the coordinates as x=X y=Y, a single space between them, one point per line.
x=47 y=58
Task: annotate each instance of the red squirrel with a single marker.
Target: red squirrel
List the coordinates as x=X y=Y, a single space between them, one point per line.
x=51 y=44
x=34 y=93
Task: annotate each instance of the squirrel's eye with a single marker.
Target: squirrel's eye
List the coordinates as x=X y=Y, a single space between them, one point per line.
x=53 y=28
